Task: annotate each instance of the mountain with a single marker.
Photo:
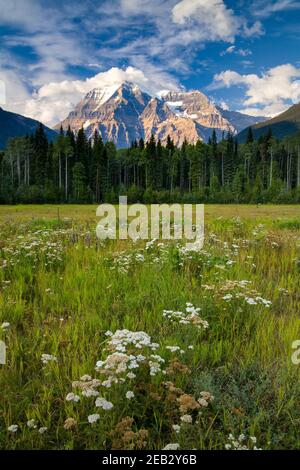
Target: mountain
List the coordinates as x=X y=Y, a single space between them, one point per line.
x=286 y=123
x=114 y=112
x=196 y=106
x=15 y=125
x=241 y=121
x=125 y=113
x=158 y=119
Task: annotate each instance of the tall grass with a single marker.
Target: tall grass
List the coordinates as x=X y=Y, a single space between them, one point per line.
x=61 y=290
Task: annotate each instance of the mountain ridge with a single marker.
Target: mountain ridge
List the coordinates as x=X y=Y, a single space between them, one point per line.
x=15 y=125
x=126 y=113
x=282 y=125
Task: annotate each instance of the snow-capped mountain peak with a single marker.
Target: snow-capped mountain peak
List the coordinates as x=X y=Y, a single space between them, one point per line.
x=101 y=95
x=123 y=112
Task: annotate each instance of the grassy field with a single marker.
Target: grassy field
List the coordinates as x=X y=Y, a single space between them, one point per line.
x=122 y=345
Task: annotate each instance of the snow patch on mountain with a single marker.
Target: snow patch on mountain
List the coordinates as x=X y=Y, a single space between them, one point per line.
x=124 y=113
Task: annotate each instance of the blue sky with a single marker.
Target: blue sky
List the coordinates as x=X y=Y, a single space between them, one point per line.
x=244 y=55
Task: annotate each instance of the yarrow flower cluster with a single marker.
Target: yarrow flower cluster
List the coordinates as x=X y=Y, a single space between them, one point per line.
x=123 y=261
x=236 y=290
x=249 y=300
x=43 y=429
x=48 y=358
x=72 y=397
x=31 y=424
x=35 y=248
x=104 y=404
x=241 y=443
x=13 y=428
x=93 y=418
x=172 y=446
x=205 y=399
x=127 y=352
x=125 y=347
x=189 y=317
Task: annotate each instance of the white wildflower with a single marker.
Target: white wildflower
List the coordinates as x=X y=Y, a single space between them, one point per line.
x=93 y=418
x=187 y=419
x=90 y=392
x=173 y=348
x=104 y=404
x=48 y=358
x=131 y=375
x=72 y=397
x=31 y=424
x=86 y=378
x=176 y=428
x=13 y=428
x=172 y=446
x=203 y=402
x=43 y=429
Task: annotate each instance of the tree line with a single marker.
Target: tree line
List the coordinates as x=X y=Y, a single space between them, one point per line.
x=73 y=169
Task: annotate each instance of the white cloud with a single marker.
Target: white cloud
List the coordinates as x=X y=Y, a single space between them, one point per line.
x=255 y=30
x=229 y=50
x=224 y=105
x=234 y=50
x=166 y=32
x=27 y=14
x=16 y=91
x=2 y=92
x=216 y=20
x=269 y=93
x=136 y=7
x=48 y=32
x=53 y=101
x=244 y=52
x=264 y=8
x=266 y=111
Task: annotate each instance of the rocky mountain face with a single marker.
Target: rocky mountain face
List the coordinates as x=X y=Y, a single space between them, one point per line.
x=158 y=119
x=196 y=106
x=125 y=113
x=114 y=113
x=14 y=125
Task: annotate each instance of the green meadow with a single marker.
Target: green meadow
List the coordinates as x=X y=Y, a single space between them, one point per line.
x=149 y=345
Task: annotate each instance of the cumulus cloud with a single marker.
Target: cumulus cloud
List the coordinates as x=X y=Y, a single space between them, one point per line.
x=165 y=33
x=216 y=20
x=270 y=93
x=53 y=101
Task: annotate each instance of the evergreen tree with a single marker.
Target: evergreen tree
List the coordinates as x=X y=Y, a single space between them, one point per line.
x=79 y=183
x=250 y=138
x=41 y=156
